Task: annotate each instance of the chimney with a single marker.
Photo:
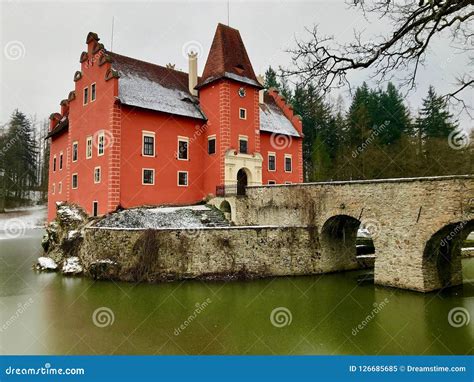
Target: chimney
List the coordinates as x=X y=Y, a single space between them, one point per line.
x=262 y=91
x=193 y=75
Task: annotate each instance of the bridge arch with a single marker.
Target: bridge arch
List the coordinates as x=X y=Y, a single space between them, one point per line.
x=441 y=264
x=338 y=241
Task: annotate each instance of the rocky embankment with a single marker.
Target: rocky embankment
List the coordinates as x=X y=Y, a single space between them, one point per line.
x=63 y=240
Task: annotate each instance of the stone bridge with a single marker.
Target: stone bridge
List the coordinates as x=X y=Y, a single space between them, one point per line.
x=417 y=224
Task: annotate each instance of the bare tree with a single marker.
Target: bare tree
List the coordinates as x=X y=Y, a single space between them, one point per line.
x=326 y=63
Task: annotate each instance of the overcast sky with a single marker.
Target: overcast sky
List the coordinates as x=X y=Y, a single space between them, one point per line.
x=41 y=42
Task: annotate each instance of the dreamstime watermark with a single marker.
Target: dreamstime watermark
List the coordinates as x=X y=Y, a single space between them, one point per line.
x=103 y=317
x=372 y=226
x=103 y=139
x=200 y=307
x=46 y=370
x=377 y=308
x=451 y=235
x=14 y=50
x=458 y=139
x=280 y=317
x=9 y=144
x=22 y=308
x=192 y=47
x=458 y=317
x=374 y=134
x=200 y=129
x=280 y=141
x=15 y=228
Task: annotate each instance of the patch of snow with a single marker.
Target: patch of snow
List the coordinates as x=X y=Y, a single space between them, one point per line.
x=15 y=223
x=46 y=263
x=273 y=120
x=104 y=261
x=135 y=90
x=67 y=211
x=72 y=266
x=73 y=234
x=467 y=249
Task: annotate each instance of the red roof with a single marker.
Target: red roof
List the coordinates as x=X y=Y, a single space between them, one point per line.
x=228 y=58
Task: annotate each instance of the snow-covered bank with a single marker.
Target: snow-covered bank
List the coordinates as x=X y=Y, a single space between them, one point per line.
x=15 y=223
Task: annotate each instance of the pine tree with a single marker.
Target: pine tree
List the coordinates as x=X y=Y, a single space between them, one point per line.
x=271 y=80
x=434 y=120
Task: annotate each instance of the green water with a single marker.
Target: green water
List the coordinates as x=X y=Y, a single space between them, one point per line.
x=57 y=314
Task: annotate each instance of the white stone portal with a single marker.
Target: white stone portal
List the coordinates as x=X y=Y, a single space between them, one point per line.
x=250 y=163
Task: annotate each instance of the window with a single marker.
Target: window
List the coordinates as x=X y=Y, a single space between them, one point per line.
x=54 y=163
x=148 y=144
x=74 y=181
x=271 y=182
x=74 y=152
x=97 y=175
x=243 y=145
x=288 y=164
x=183 y=144
x=60 y=187
x=211 y=145
x=61 y=161
x=86 y=96
x=242 y=113
x=100 y=144
x=53 y=190
x=95 y=208
x=93 y=92
x=271 y=162
x=148 y=176
x=88 y=147
x=182 y=178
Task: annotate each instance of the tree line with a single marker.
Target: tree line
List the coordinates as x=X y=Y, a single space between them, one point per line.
x=24 y=159
x=377 y=136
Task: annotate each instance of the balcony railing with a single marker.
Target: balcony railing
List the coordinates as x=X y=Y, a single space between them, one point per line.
x=226 y=190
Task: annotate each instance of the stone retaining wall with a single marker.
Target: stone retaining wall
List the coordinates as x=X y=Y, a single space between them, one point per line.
x=235 y=252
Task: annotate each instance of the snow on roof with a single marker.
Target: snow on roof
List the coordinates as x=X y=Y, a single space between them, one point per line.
x=187 y=217
x=273 y=120
x=135 y=90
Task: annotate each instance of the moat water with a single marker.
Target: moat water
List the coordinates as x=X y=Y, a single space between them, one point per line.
x=47 y=313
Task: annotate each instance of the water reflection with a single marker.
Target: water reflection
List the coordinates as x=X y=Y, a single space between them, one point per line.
x=236 y=320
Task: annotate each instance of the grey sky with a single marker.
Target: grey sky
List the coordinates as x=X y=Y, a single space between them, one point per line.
x=51 y=36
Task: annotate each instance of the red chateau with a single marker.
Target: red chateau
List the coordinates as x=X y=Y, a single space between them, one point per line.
x=133 y=133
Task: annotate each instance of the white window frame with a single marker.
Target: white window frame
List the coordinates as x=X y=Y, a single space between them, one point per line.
x=100 y=174
x=240 y=113
x=152 y=135
x=85 y=100
x=89 y=144
x=271 y=154
x=60 y=187
x=246 y=139
x=291 y=158
x=143 y=177
x=209 y=138
x=183 y=139
x=72 y=181
x=274 y=182
x=75 y=143
x=99 y=136
x=93 y=85
x=61 y=160
x=55 y=163
x=187 y=179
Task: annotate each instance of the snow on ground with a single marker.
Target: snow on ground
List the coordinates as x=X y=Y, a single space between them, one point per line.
x=45 y=263
x=14 y=223
x=199 y=216
x=72 y=266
